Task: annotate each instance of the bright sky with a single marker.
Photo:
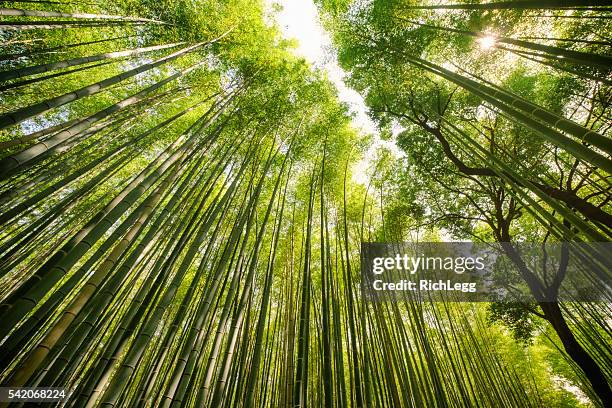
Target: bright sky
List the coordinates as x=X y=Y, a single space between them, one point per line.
x=299 y=19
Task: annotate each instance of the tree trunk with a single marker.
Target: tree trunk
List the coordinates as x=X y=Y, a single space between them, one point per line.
x=576 y=352
x=38 y=69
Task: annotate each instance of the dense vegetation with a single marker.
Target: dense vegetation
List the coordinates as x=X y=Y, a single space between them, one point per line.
x=181 y=225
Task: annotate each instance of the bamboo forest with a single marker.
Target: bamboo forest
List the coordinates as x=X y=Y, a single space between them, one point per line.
x=184 y=199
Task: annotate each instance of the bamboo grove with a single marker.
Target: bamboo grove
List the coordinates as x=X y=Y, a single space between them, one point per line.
x=181 y=224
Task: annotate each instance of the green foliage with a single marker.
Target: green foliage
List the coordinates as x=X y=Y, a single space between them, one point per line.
x=182 y=226
x=517 y=317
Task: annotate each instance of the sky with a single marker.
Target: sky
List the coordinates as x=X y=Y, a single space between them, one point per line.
x=299 y=20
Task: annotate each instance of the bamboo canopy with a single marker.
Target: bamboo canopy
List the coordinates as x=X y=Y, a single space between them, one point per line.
x=183 y=200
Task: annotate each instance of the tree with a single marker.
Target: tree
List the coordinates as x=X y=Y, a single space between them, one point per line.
x=181 y=225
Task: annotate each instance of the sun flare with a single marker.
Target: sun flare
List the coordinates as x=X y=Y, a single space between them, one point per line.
x=487 y=42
